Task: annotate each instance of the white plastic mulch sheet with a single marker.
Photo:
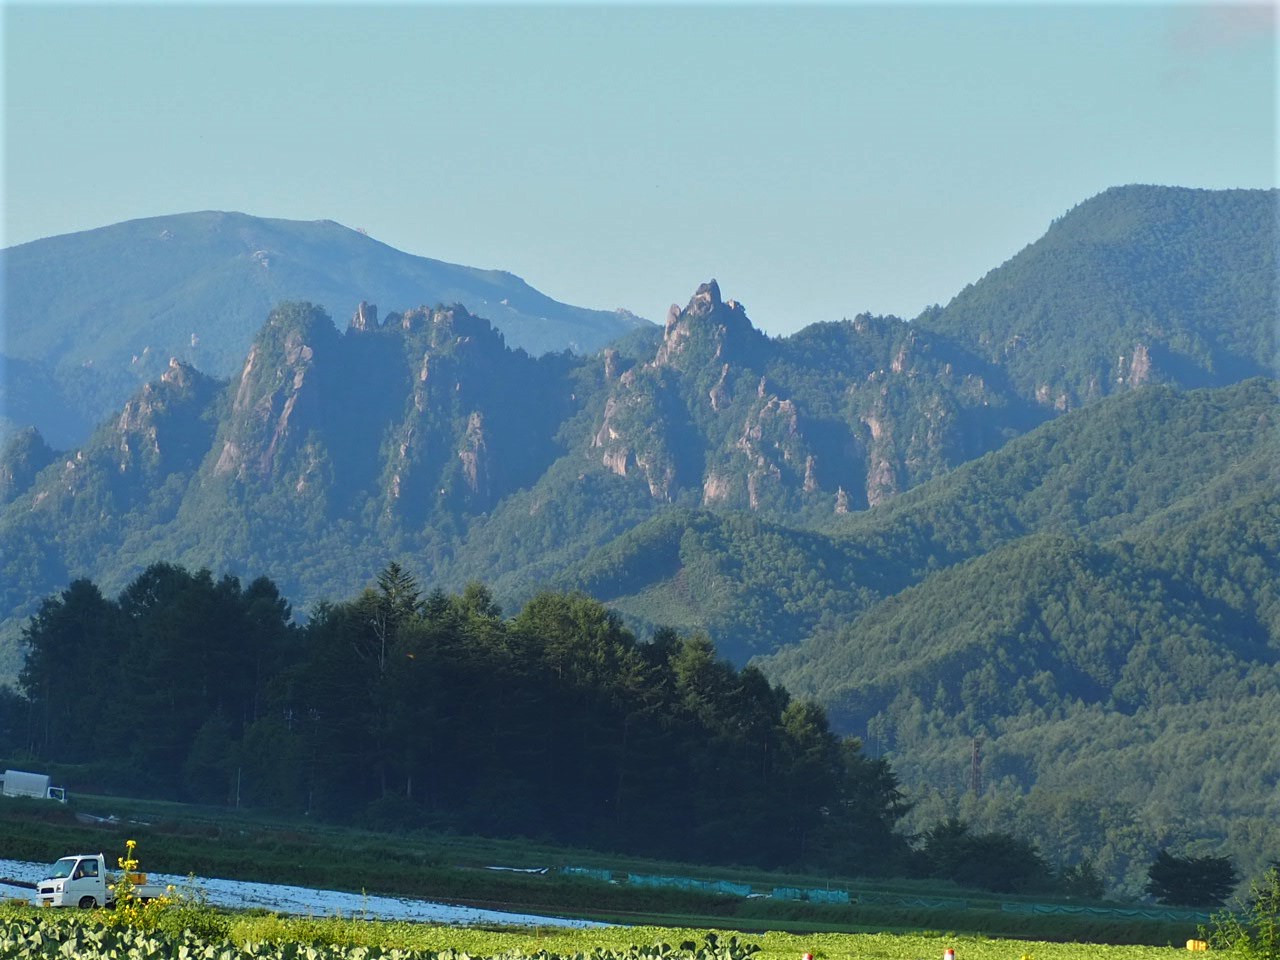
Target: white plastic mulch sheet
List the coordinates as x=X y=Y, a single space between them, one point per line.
x=300 y=901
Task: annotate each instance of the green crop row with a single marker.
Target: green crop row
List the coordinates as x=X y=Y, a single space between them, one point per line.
x=27 y=933
x=58 y=939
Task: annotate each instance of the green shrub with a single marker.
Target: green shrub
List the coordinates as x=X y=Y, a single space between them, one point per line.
x=189 y=910
x=1253 y=931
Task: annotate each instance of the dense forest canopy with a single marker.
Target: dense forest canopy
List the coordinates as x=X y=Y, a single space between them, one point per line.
x=1118 y=694
x=1139 y=284
x=402 y=710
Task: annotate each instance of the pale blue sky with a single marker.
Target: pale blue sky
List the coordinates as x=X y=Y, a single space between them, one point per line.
x=820 y=161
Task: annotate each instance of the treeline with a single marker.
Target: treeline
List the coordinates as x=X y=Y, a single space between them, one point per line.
x=402 y=709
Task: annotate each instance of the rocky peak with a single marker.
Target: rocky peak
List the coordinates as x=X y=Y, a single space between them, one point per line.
x=365 y=317
x=705 y=299
x=448 y=327
x=139 y=411
x=178 y=374
x=159 y=428
x=708 y=329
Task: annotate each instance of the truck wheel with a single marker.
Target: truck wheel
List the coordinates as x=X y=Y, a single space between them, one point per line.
x=87 y=903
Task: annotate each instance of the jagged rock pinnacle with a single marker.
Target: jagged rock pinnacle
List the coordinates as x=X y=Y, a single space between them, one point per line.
x=707 y=297
x=366 y=317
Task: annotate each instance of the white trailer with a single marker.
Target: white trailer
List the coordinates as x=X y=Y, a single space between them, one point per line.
x=82 y=881
x=20 y=783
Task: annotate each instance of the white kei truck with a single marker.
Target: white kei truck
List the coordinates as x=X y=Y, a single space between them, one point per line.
x=82 y=881
x=20 y=783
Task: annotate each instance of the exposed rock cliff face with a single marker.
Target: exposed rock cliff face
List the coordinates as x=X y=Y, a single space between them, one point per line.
x=273 y=383
x=425 y=412
x=477 y=424
x=871 y=406
x=706 y=331
x=770 y=440
x=474 y=457
x=882 y=468
x=139 y=425
x=1135 y=369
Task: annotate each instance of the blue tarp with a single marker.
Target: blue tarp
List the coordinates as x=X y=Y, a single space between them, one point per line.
x=811 y=895
x=827 y=896
x=687 y=883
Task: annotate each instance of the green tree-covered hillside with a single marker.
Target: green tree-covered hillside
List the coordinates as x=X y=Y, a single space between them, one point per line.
x=1119 y=694
x=1151 y=460
x=1140 y=284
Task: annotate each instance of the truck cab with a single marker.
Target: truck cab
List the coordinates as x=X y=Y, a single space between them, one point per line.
x=82 y=881
x=78 y=881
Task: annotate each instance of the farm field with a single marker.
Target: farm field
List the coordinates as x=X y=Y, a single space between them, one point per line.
x=17 y=879
x=774 y=945
x=180 y=841
x=273 y=938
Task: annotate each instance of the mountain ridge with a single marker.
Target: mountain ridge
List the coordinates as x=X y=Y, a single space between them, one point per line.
x=196 y=286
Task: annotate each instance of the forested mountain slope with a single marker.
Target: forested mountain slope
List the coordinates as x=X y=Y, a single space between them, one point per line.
x=1153 y=459
x=1048 y=621
x=752 y=584
x=1140 y=284
x=1118 y=691
x=1121 y=695
x=99 y=312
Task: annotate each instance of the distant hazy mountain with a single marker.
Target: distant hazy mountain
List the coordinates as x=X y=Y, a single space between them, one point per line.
x=90 y=316
x=1139 y=284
